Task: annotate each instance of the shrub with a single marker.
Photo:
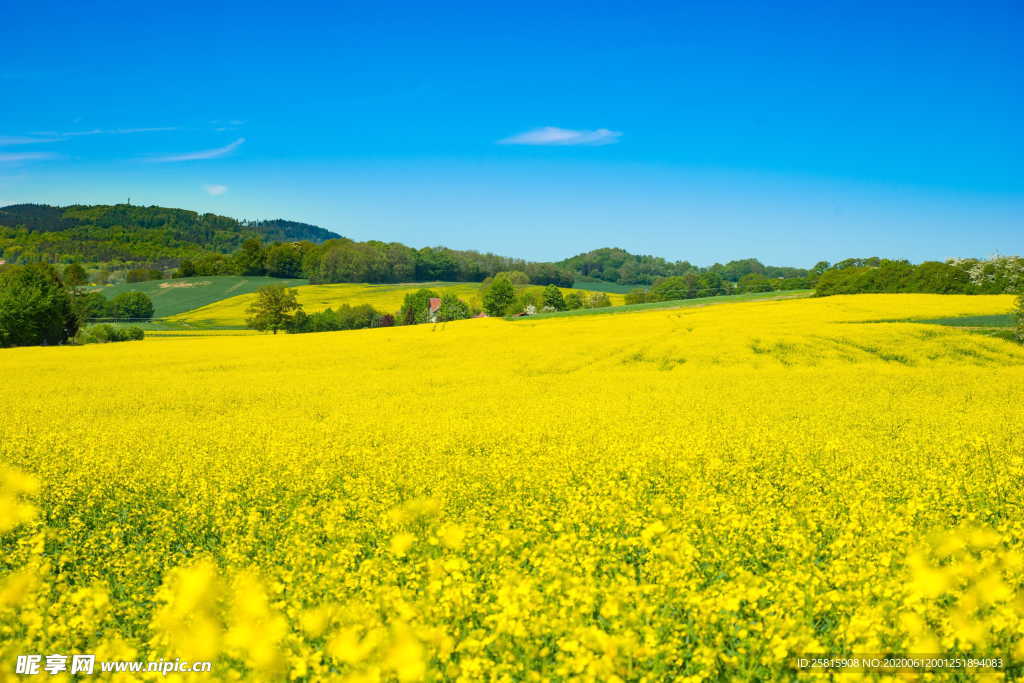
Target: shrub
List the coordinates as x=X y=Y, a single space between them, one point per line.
x=636 y=296
x=345 y=318
x=105 y=333
x=143 y=274
x=597 y=300
x=185 y=269
x=1020 y=318
x=573 y=300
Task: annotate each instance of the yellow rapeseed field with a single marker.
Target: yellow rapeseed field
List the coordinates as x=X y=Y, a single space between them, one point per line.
x=703 y=493
x=386 y=298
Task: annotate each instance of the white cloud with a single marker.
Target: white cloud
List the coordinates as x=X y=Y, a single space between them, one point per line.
x=215 y=190
x=24 y=140
x=116 y=131
x=203 y=154
x=27 y=156
x=552 y=135
x=129 y=131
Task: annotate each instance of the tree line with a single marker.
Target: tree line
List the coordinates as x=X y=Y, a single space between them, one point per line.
x=276 y=307
x=997 y=275
x=40 y=306
x=345 y=260
x=621 y=267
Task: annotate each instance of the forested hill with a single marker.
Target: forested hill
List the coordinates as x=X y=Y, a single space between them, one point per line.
x=122 y=232
x=620 y=266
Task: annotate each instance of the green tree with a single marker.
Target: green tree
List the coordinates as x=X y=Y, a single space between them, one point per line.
x=755 y=282
x=675 y=287
x=92 y=305
x=284 y=260
x=35 y=307
x=452 y=308
x=75 y=276
x=185 y=269
x=249 y=260
x=131 y=304
x=416 y=307
x=553 y=298
x=498 y=296
x=573 y=300
x=273 y=309
x=636 y=296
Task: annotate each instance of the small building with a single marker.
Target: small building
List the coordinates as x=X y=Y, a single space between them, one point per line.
x=435 y=307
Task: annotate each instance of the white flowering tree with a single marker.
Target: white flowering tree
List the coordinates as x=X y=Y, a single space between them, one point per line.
x=995 y=275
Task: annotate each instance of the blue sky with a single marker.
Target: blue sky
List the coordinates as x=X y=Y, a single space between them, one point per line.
x=790 y=131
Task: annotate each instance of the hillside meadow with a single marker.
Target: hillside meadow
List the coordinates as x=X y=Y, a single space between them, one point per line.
x=171 y=297
x=691 y=494
x=388 y=298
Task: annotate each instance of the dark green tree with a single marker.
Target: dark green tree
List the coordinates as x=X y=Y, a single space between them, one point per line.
x=755 y=282
x=676 y=287
x=249 y=260
x=498 y=296
x=284 y=260
x=186 y=269
x=35 y=307
x=75 y=276
x=273 y=309
x=553 y=298
x=92 y=305
x=131 y=304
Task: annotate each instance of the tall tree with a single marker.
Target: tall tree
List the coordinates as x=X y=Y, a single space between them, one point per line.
x=553 y=298
x=274 y=308
x=498 y=296
x=35 y=307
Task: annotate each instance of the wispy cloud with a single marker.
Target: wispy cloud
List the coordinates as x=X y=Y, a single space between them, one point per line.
x=27 y=156
x=215 y=190
x=552 y=135
x=24 y=140
x=118 y=131
x=105 y=131
x=203 y=154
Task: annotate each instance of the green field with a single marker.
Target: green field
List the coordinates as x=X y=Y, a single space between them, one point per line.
x=602 y=286
x=1005 y=320
x=171 y=297
x=679 y=303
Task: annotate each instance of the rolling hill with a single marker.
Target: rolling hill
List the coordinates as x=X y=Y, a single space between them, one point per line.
x=133 y=234
x=386 y=298
x=171 y=297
